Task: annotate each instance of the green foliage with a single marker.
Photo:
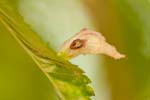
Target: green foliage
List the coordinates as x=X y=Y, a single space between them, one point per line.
x=68 y=80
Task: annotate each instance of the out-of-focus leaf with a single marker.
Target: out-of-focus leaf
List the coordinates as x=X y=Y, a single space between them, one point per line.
x=68 y=80
x=126 y=23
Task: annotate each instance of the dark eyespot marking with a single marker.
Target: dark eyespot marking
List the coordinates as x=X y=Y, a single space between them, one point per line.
x=76 y=44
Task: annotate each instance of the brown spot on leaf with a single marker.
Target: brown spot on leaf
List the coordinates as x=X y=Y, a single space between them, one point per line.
x=76 y=44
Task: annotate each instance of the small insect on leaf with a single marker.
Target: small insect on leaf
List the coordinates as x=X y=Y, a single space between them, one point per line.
x=88 y=42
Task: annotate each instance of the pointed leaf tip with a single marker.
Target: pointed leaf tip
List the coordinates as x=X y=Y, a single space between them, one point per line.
x=88 y=42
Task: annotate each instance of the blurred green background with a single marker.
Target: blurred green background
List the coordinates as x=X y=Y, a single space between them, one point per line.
x=124 y=23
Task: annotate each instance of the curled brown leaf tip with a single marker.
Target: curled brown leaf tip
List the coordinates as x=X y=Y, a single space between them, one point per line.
x=89 y=42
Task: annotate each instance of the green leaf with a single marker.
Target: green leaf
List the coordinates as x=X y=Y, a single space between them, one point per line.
x=68 y=80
